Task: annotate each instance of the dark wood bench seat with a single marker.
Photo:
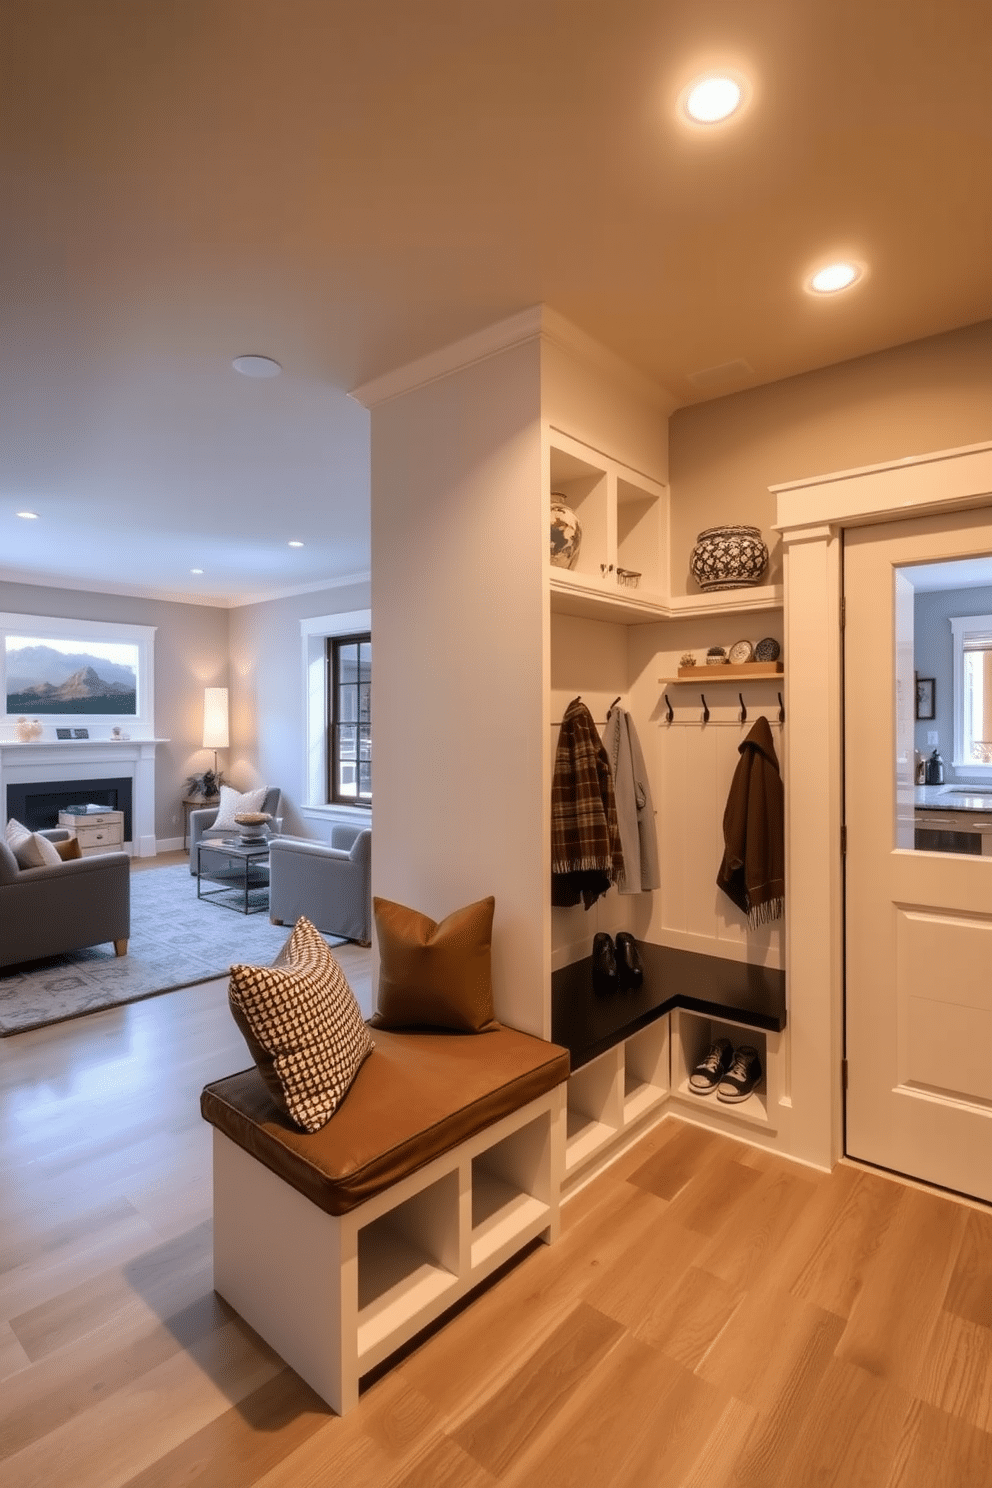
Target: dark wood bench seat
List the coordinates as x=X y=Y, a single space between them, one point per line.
x=587 y=1023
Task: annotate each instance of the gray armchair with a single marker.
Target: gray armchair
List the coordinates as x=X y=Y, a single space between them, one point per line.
x=201 y=824
x=48 y=911
x=329 y=883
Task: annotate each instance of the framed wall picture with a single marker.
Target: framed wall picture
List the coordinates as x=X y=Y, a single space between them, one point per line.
x=73 y=673
x=926 y=697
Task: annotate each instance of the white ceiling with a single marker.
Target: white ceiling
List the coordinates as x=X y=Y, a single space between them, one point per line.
x=346 y=187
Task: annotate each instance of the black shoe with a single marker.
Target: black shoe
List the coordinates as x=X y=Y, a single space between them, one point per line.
x=742 y=1076
x=629 y=961
x=710 y=1071
x=605 y=977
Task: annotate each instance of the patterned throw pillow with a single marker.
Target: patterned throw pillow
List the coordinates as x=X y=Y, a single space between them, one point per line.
x=29 y=848
x=302 y=1025
x=233 y=803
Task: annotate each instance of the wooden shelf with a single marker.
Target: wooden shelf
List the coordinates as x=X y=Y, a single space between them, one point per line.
x=727 y=601
x=706 y=675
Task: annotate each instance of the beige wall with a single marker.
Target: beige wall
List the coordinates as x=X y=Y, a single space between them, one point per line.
x=927 y=395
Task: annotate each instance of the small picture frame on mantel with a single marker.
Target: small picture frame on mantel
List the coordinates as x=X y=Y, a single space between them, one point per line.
x=63 y=733
x=83 y=733
x=926 y=697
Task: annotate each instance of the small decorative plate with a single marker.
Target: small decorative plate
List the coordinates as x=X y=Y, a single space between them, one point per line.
x=767 y=650
x=740 y=652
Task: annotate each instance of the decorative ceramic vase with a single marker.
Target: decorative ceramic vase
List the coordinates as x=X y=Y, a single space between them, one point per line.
x=728 y=558
x=566 y=534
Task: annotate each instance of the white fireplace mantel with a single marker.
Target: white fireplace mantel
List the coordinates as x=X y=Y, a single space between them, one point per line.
x=90 y=759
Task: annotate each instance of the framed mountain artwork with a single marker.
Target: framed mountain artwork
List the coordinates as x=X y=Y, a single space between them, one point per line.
x=77 y=672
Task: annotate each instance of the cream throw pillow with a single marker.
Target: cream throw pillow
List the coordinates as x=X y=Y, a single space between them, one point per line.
x=302 y=1025
x=29 y=848
x=233 y=803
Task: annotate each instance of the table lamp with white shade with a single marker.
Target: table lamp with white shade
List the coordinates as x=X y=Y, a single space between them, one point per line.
x=215 y=731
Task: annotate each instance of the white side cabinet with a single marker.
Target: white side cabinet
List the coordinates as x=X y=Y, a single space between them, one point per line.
x=611 y=1095
x=101 y=833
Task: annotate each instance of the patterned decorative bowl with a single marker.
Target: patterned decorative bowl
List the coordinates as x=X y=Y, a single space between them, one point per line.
x=728 y=558
x=252 y=825
x=566 y=533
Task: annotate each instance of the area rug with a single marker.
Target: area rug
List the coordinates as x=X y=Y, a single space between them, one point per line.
x=176 y=940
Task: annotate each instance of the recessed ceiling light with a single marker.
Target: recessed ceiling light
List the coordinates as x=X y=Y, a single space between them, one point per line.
x=196 y=570
x=29 y=516
x=712 y=98
x=833 y=277
x=295 y=544
x=256 y=366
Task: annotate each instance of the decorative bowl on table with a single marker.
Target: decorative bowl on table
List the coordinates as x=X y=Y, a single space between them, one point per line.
x=252 y=825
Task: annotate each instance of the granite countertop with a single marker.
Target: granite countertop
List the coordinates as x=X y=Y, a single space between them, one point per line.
x=954 y=796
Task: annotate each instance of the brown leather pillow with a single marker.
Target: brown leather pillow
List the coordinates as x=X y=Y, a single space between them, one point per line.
x=435 y=975
x=68 y=849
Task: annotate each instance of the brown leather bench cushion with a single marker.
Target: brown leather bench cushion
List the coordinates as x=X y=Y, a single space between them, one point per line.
x=416 y=1095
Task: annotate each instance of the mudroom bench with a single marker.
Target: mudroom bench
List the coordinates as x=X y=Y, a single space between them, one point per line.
x=444 y=1159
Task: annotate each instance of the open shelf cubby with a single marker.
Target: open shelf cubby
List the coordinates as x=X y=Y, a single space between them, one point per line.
x=407 y=1259
x=692 y=1034
x=509 y=1190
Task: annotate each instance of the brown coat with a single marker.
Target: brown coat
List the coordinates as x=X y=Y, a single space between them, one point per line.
x=752 y=873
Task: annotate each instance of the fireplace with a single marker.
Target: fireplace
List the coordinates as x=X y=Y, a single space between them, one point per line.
x=118 y=774
x=36 y=803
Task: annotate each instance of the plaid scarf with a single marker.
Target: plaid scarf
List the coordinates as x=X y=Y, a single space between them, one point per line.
x=586 y=856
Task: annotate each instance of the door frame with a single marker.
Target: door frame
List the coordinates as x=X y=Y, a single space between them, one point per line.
x=811 y=517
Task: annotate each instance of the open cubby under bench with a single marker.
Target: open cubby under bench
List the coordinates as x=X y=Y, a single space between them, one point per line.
x=444 y=1159
x=628 y=1058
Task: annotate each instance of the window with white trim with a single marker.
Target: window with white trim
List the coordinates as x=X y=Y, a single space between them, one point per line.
x=972 y=636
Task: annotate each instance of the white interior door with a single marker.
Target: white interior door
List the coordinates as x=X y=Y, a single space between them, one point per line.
x=919 y=924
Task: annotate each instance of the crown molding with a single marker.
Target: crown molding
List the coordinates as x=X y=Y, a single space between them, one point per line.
x=537 y=321
x=169 y=596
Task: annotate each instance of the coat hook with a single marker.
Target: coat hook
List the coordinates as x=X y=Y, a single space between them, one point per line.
x=668 y=705
x=614 y=702
x=706 y=711
x=740 y=698
x=781 y=709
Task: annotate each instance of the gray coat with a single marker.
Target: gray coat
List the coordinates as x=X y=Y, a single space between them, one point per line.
x=635 y=813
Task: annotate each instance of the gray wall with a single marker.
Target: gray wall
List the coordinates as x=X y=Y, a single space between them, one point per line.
x=266 y=672
x=191 y=652
x=933 y=654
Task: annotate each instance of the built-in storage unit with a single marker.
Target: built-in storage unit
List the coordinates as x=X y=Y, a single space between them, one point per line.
x=632 y=1051
x=335 y=1295
x=468 y=449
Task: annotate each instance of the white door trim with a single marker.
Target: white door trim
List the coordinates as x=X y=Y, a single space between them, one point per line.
x=812 y=515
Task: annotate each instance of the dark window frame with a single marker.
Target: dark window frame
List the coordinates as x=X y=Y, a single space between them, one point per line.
x=336 y=724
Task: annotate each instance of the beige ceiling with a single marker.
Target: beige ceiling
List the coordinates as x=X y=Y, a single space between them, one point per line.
x=347 y=187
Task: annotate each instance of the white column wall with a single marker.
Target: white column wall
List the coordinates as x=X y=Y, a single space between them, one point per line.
x=459 y=619
x=814 y=815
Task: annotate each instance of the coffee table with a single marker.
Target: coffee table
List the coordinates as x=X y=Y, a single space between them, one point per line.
x=238 y=867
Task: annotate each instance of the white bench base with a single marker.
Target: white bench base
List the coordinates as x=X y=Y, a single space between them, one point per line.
x=334 y=1296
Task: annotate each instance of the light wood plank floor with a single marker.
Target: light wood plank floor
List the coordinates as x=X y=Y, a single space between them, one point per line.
x=712 y=1315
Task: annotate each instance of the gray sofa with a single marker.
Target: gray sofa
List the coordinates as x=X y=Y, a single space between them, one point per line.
x=330 y=883
x=201 y=824
x=48 y=911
